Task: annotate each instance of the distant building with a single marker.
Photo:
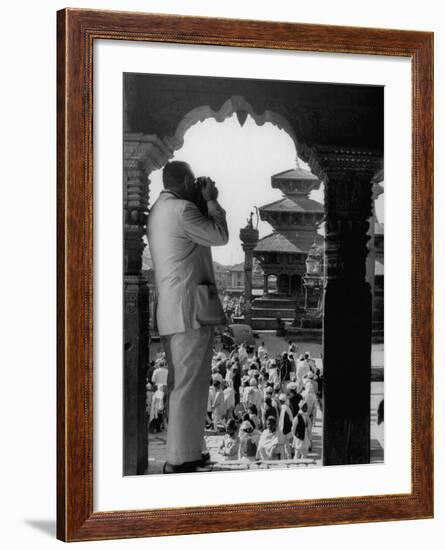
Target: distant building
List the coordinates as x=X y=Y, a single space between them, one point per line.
x=282 y=254
x=233 y=281
x=222 y=276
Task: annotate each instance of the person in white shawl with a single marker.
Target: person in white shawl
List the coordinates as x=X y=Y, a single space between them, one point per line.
x=272 y=370
x=310 y=397
x=242 y=354
x=229 y=400
x=269 y=446
x=253 y=395
x=301 y=441
x=157 y=409
x=285 y=426
x=302 y=370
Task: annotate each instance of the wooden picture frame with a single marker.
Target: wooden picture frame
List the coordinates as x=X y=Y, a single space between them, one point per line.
x=77 y=31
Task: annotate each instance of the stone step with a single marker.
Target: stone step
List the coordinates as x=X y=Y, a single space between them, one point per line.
x=274 y=302
x=263 y=464
x=285 y=319
x=266 y=323
x=287 y=313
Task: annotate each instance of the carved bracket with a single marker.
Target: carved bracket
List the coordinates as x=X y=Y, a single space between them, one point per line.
x=348 y=203
x=142 y=155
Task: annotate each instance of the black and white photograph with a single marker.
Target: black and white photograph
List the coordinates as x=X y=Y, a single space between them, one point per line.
x=254 y=316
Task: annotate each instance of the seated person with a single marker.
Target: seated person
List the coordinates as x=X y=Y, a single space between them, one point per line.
x=230 y=443
x=248 y=441
x=217 y=406
x=269 y=447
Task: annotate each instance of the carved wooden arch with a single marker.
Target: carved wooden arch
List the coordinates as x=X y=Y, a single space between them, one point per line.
x=154 y=152
x=241 y=107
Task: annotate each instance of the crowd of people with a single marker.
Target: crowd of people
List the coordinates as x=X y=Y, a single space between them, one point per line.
x=264 y=407
x=233 y=306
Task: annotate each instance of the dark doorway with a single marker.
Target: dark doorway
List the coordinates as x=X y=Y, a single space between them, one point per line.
x=295 y=285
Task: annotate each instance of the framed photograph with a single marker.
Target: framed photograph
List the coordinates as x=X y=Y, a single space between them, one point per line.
x=245 y=232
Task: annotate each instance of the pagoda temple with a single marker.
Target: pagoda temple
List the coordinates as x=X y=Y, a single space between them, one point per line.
x=282 y=254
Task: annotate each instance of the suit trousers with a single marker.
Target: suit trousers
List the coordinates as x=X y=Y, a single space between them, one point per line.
x=189 y=357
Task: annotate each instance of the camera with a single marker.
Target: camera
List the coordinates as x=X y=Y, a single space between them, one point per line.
x=201 y=182
x=200 y=202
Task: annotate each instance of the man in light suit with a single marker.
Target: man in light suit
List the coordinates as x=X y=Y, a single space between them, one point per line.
x=180 y=237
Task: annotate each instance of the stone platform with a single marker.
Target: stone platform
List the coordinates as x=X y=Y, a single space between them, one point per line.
x=266 y=309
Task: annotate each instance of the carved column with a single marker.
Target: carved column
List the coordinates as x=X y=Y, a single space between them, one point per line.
x=347 y=308
x=377 y=190
x=249 y=239
x=135 y=317
x=142 y=154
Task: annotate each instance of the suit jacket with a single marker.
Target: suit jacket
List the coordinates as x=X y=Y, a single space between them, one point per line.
x=180 y=237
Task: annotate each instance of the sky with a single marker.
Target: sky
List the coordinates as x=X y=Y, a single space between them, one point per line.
x=241 y=161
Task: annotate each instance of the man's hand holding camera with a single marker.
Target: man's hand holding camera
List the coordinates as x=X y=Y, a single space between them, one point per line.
x=210 y=191
x=208 y=188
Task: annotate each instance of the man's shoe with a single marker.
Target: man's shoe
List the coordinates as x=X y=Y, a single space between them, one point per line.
x=205 y=457
x=183 y=468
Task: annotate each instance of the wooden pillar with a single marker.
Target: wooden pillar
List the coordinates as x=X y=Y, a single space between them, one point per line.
x=142 y=154
x=347 y=314
x=136 y=318
x=377 y=190
x=135 y=369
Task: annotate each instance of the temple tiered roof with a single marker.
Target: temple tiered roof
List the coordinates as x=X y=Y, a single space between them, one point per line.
x=295 y=174
x=296 y=182
x=288 y=242
x=294 y=217
x=300 y=204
